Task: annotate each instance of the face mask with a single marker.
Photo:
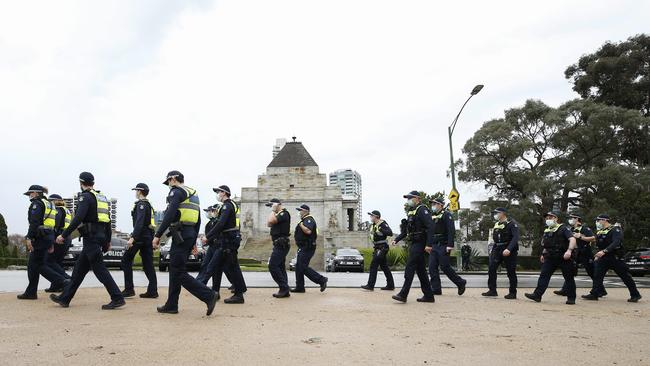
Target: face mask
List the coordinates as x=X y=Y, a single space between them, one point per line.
x=550 y=223
x=572 y=222
x=496 y=217
x=410 y=202
x=599 y=225
x=435 y=209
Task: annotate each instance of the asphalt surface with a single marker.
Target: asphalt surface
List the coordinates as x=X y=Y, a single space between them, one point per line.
x=16 y=280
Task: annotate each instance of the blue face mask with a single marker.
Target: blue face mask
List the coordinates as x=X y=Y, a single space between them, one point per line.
x=436 y=209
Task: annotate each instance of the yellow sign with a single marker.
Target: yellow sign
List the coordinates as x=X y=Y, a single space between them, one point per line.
x=454 y=195
x=454 y=206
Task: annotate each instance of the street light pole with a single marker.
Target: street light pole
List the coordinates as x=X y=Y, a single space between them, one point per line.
x=450 y=132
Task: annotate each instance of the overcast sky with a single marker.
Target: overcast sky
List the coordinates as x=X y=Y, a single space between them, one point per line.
x=130 y=90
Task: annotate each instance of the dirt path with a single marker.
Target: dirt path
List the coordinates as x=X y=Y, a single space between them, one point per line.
x=338 y=327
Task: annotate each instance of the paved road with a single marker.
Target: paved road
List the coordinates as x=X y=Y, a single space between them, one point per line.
x=14 y=281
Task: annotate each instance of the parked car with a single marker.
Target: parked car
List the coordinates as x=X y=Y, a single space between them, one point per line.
x=112 y=258
x=292 y=263
x=638 y=261
x=193 y=261
x=347 y=259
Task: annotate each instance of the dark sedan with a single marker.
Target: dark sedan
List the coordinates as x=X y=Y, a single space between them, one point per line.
x=193 y=261
x=347 y=260
x=112 y=258
x=638 y=261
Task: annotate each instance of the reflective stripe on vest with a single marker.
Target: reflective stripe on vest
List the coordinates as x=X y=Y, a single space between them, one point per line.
x=190 y=209
x=413 y=212
x=49 y=214
x=374 y=228
x=68 y=218
x=102 y=207
x=236 y=216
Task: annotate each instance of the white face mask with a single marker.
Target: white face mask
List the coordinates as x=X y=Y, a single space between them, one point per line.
x=572 y=222
x=599 y=225
x=550 y=222
x=496 y=217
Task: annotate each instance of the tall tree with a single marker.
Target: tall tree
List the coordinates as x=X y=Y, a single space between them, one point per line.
x=617 y=74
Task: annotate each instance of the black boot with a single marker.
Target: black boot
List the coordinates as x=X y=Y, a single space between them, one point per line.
x=511 y=296
x=560 y=292
x=58 y=300
x=114 y=304
x=297 y=290
x=369 y=288
x=399 y=297
x=148 y=295
x=427 y=299
x=128 y=293
x=24 y=296
x=490 y=293
x=323 y=285
x=167 y=310
x=635 y=298
x=388 y=288
x=282 y=294
x=533 y=297
x=234 y=299
x=461 y=289
x=590 y=297
x=212 y=303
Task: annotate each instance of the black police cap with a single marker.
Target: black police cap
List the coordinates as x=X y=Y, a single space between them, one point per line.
x=173 y=174
x=55 y=196
x=439 y=201
x=412 y=194
x=141 y=187
x=303 y=207
x=222 y=188
x=375 y=213
x=603 y=217
x=575 y=216
x=34 y=188
x=87 y=178
x=500 y=210
x=272 y=201
x=552 y=213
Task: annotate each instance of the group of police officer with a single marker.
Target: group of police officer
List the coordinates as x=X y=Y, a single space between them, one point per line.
x=426 y=231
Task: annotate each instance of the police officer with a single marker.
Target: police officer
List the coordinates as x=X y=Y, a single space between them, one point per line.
x=305 y=235
x=93 y=214
x=505 y=237
x=141 y=238
x=280 y=223
x=212 y=245
x=226 y=233
x=183 y=220
x=609 y=240
x=379 y=232
x=55 y=259
x=40 y=240
x=583 y=255
x=419 y=231
x=558 y=245
x=443 y=243
x=466 y=252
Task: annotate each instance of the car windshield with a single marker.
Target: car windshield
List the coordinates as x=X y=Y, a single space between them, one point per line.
x=347 y=252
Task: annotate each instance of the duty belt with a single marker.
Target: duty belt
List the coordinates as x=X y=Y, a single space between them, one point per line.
x=380 y=242
x=500 y=244
x=231 y=229
x=282 y=238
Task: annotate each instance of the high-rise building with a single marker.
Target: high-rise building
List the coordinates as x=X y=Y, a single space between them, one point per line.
x=279 y=144
x=71 y=204
x=349 y=181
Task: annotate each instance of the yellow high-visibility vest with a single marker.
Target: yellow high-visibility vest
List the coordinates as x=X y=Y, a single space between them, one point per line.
x=49 y=214
x=103 y=214
x=190 y=209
